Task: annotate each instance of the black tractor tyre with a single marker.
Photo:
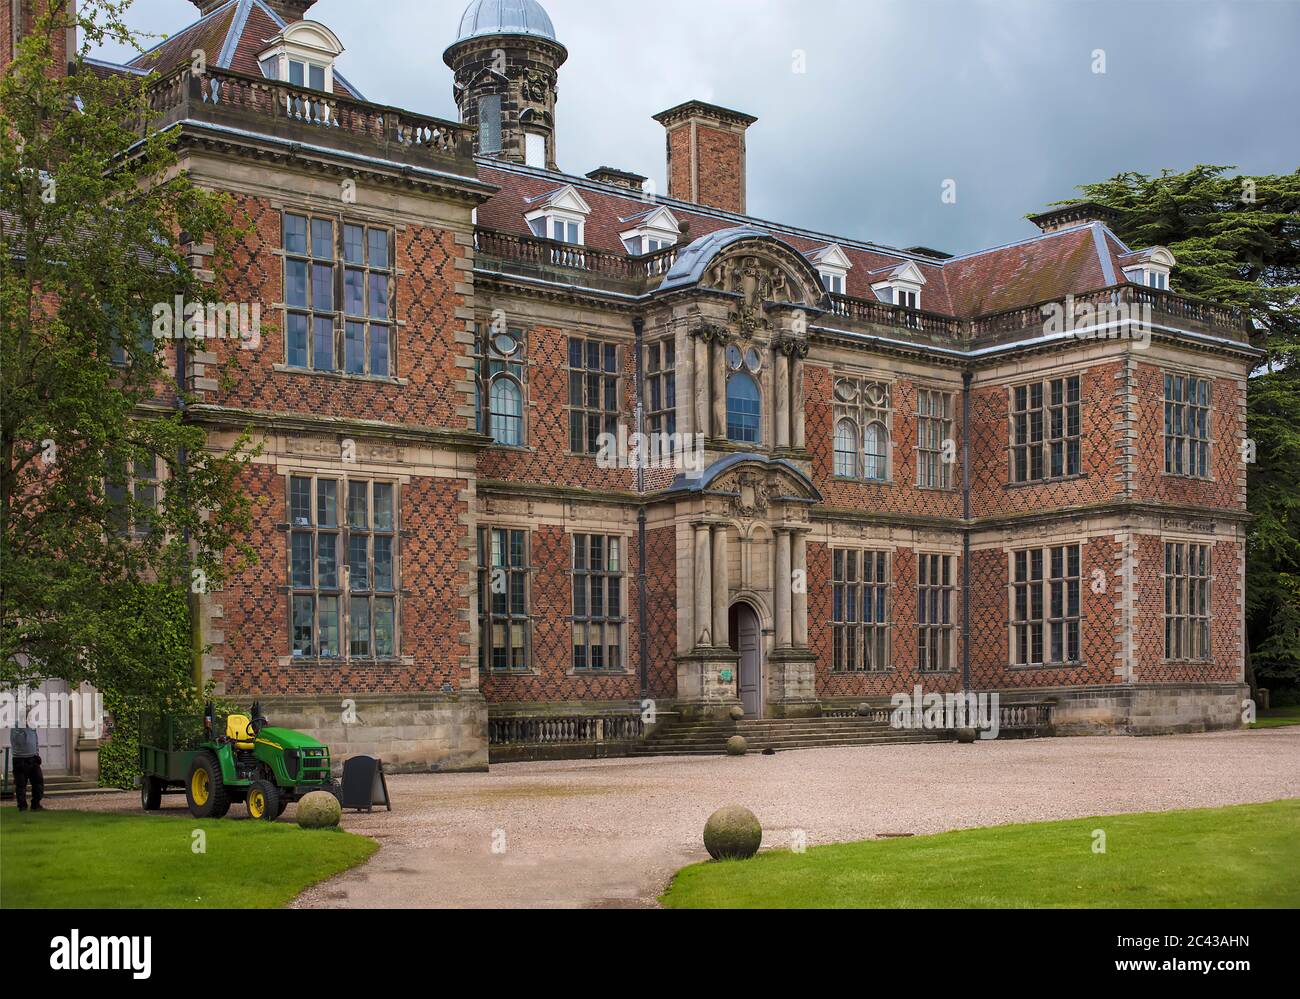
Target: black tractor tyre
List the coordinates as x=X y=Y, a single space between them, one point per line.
x=265 y=796
x=217 y=803
x=151 y=790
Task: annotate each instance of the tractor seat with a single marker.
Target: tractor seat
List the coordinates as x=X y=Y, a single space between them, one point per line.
x=239 y=731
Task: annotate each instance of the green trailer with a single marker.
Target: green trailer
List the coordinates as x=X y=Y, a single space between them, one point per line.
x=218 y=761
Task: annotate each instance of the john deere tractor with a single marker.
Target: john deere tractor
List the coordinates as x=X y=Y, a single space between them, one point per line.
x=243 y=760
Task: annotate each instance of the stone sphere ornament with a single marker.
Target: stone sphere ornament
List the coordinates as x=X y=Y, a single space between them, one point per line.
x=733 y=833
x=737 y=712
x=967 y=736
x=737 y=745
x=319 y=810
x=864 y=710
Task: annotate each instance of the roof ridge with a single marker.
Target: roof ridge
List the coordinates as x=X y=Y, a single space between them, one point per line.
x=718 y=213
x=236 y=32
x=176 y=34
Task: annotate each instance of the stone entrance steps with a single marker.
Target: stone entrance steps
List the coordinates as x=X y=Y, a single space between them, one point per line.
x=709 y=738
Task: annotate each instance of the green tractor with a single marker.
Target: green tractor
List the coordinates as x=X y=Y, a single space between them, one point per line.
x=266 y=768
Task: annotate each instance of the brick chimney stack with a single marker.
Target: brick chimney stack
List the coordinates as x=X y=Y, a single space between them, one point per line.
x=706 y=154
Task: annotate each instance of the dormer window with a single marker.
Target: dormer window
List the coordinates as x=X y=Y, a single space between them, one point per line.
x=900 y=286
x=302 y=55
x=655 y=230
x=833 y=266
x=1149 y=268
x=561 y=216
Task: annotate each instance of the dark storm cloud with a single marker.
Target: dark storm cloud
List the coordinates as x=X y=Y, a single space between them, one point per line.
x=897 y=97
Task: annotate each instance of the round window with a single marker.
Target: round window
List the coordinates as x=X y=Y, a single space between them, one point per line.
x=733 y=357
x=505 y=344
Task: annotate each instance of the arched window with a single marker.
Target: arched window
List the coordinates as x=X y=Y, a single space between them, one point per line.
x=875 y=446
x=507 y=412
x=743 y=409
x=846 y=449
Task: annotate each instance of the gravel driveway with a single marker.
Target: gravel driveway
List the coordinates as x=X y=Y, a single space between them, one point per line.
x=611 y=833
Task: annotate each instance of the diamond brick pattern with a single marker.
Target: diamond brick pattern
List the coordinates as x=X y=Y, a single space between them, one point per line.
x=434 y=603
x=1223 y=490
x=901 y=494
x=546 y=459
x=426 y=350
x=1099 y=453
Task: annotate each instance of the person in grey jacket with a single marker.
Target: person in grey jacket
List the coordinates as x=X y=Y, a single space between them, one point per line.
x=27 y=767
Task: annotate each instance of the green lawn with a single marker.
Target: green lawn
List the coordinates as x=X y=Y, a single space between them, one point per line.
x=65 y=859
x=1244 y=856
x=1278 y=717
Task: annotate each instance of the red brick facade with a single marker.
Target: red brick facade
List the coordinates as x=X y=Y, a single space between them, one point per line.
x=749 y=315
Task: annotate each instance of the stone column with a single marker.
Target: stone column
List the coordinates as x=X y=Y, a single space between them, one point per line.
x=718 y=370
x=782 y=407
x=703 y=587
x=796 y=402
x=799 y=629
x=721 y=588
x=702 y=383
x=781 y=588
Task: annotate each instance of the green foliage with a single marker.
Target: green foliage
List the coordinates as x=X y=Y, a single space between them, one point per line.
x=92 y=203
x=1237 y=240
x=161 y=617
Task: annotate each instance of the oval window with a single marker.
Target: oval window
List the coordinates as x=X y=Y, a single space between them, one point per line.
x=752 y=361
x=733 y=357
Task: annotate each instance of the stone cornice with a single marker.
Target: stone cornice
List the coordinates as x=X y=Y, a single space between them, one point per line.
x=235 y=418
x=282 y=152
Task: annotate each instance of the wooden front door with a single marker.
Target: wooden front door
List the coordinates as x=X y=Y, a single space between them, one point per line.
x=749 y=643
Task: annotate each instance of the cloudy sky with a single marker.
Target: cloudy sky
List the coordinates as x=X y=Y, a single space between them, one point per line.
x=896 y=96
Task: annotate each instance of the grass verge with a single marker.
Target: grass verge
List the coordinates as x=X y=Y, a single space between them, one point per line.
x=65 y=859
x=1236 y=857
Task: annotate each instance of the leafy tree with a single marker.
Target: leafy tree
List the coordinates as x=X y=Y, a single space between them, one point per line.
x=1237 y=240
x=91 y=209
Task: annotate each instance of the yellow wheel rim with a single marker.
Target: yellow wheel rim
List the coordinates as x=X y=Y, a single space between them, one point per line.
x=199 y=787
x=256 y=804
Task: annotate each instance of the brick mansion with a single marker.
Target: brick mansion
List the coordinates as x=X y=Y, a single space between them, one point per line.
x=550 y=460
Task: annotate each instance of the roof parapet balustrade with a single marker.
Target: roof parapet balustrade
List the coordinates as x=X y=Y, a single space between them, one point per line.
x=586 y=267
x=336 y=121
x=568 y=263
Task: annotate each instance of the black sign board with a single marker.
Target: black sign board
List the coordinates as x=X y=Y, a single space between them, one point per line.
x=364 y=785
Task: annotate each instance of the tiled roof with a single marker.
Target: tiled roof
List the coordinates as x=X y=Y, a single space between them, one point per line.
x=1036 y=269
x=231 y=36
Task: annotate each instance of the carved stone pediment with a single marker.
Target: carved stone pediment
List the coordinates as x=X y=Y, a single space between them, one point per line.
x=756 y=488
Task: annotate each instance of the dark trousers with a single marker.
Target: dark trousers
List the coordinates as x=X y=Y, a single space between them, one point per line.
x=28 y=768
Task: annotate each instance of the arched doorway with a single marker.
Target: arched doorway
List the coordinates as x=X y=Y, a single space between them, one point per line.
x=746 y=635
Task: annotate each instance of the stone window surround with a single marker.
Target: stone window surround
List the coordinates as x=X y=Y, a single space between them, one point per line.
x=1187 y=542
x=886 y=626
x=1045 y=620
x=344 y=592
x=623 y=622
x=1044 y=444
x=1185 y=439
x=395 y=273
x=949 y=483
